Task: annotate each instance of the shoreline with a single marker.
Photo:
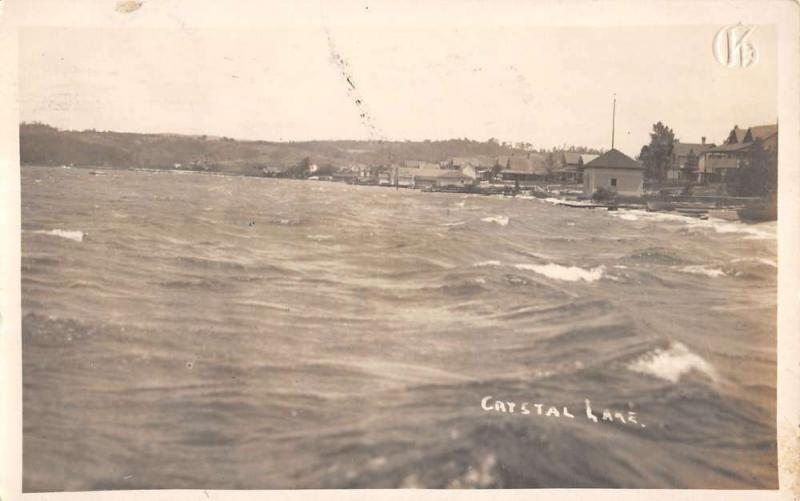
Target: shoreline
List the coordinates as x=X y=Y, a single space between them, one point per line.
x=691 y=208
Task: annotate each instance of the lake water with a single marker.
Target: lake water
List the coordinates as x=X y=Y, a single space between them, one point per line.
x=200 y=331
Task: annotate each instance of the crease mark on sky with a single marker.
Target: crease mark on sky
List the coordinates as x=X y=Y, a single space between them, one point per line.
x=352 y=91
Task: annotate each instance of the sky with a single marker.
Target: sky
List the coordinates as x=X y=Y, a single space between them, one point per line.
x=543 y=85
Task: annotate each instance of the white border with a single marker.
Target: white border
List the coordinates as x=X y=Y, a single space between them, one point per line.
x=784 y=14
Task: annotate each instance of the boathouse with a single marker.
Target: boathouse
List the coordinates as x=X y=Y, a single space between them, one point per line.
x=613 y=171
x=525 y=170
x=430 y=178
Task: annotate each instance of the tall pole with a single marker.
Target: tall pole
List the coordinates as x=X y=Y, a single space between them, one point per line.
x=613 y=120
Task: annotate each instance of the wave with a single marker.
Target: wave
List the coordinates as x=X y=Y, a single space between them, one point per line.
x=699 y=269
x=501 y=220
x=751 y=232
x=482 y=477
x=672 y=363
x=75 y=235
x=571 y=203
x=209 y=263
x=490 y=262
x=566 y=273
x=757 y=232
x=760 y=260
x=553 y=270
x=636 y=214
x=657 y=255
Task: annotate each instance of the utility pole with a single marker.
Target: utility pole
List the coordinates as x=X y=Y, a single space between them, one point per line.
x=613 y=120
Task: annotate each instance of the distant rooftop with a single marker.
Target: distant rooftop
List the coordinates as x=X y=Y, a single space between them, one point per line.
x=680 y=149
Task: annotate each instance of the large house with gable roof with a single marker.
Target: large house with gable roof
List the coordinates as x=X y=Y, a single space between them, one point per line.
x=721 y=162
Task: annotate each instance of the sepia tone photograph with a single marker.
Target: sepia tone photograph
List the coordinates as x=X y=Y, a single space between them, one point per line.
x=332 y=256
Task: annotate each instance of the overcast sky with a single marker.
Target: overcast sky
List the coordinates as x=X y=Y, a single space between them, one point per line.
x=543 y=85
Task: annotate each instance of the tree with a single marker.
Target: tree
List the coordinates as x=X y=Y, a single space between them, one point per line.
x=603 y=194
x=299 y=170
x=550 y=164
x=325 y=170
x=656 y=155
x=758 y=175
x=496 y=169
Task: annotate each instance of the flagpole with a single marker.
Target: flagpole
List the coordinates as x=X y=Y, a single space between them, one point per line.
x=613 y=120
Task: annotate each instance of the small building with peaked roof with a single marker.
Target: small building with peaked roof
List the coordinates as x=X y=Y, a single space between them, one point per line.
x=613 y=171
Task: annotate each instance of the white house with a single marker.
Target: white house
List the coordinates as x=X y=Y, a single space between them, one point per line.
x=613 y=171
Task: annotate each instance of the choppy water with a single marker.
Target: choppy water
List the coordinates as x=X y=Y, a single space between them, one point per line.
x=199 y=331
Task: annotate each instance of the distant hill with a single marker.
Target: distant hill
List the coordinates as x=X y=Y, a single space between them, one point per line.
x=42 y=144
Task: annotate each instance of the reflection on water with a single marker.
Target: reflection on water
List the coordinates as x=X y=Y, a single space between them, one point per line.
x=197 y=331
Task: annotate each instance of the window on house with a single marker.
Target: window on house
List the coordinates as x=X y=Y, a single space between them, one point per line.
x=613 y=181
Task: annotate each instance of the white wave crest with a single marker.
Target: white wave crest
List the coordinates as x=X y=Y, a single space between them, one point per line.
x=74 y=235
x=491 y=262
x=566 y=273
x=672 y=363
x=758 y=232
x=481 y=476
x=501 y=220
x=698 y=269
x=762 y=260
x=655 y=216
x=751 y=232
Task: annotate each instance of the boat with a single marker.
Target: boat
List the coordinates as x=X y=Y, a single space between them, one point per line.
x=766 y=211
x=691 y=211
x=758 y=214
x=659 y=206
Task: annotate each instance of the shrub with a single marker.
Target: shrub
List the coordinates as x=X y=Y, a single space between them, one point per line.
x=603 y=194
